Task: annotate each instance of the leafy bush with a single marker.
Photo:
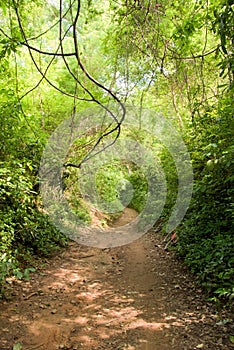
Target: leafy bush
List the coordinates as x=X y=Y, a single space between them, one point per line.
x=24 y=230
x=140 y=188
x=206 y=236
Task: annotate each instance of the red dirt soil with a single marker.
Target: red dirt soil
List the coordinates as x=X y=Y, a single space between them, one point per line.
x=134 y=297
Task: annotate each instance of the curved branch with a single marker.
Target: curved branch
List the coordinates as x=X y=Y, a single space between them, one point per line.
x=83 y=69
x=118 y=123
x=54 y=25
x=38 y=68
x=48 y=53
x=89 y=76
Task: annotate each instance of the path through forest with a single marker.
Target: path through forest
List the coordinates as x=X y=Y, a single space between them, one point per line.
x=135 y=297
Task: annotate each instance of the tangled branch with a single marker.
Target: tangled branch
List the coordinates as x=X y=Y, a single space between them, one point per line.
x=60 y=53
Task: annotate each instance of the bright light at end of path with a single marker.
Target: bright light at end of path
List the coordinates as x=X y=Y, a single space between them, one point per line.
x=126 y=150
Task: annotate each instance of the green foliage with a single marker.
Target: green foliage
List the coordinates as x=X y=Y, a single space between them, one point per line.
x=206 y=236
x=117 y=185
x=197 y=68
x=173 y=57
x=107 y=179
x=24 y=230
x=18 y=346
x=223 y=25
x=73 y=194
x=140 y=188
x=171 y=181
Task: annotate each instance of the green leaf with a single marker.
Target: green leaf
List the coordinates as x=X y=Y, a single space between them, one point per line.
x=27 y=273
x=18 y=274
x=17 y=346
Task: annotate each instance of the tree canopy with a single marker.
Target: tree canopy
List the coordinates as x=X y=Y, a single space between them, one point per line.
x=176 y=58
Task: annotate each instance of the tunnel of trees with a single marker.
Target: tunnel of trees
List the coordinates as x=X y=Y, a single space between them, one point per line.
x=176 y=58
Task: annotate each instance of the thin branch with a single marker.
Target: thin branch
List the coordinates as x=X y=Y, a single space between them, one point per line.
x=86 y=72
x=46 y=52
x=204 y=54
x=93 y=80
x=89 y=155
x=53 y=26
x=62 y=50
x=17 y=82
x=38 y=68
x=75 y=54
x=23 y=43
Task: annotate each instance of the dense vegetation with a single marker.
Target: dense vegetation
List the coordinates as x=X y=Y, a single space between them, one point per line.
x=173 y=57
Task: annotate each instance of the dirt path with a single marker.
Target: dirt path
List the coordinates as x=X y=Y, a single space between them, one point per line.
x=135 y=297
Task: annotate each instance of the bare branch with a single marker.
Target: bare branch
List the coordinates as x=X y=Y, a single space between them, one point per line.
x=44 y=77
x=77 y=81
x=48 y=53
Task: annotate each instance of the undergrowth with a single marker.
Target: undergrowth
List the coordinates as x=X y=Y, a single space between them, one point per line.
x=25 y=231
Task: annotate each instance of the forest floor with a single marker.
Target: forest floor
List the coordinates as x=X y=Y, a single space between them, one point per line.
x=136 y=296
